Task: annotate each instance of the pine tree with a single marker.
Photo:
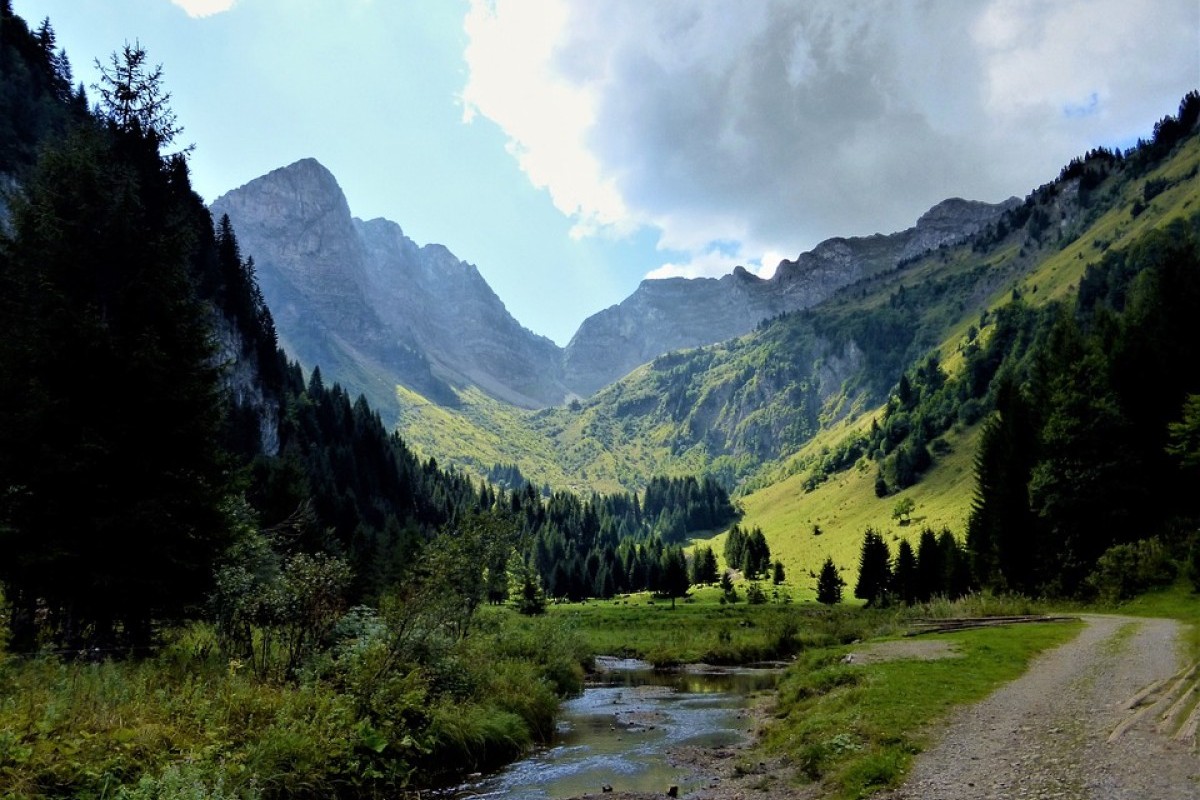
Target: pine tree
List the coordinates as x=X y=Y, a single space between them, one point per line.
x=874 y=570
x=829 y=584
x=119 y=516
x=931 y=568
x=904 y=577
x=674 y=581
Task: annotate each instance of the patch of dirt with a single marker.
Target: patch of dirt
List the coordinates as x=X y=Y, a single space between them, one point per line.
x=913 y=649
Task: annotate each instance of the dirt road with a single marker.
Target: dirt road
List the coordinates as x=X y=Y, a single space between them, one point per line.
x=1104 y=717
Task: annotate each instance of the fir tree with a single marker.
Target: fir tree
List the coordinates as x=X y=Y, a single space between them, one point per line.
x=874 y=570
x=829 y=584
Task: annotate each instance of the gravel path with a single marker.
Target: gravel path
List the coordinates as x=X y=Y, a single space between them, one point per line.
x=1086 y=721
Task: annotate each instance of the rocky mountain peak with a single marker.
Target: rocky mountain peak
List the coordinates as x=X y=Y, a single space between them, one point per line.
x=372 y=307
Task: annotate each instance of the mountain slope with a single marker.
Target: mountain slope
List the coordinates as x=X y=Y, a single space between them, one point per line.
x=744 y=409
x=784 y=502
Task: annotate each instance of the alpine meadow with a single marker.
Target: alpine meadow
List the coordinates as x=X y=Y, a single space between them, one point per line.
x=292 y=506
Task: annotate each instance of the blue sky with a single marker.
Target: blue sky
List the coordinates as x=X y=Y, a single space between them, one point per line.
x=570 y=149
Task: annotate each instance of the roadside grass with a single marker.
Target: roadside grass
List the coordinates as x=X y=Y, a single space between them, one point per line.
x=855 y=728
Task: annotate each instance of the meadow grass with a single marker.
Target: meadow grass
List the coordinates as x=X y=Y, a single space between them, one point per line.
x=702 y=629
x=845 y=506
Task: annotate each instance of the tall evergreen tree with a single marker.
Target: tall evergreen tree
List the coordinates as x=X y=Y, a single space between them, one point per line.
x=904 y=576
x=931 y=568
x=874 y=570
x=111 y=432
x=829 y=584
x=674 y=582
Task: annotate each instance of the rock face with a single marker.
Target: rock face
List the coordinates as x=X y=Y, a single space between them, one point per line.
x=665 y=315
x=371 y=308
x=457 y=320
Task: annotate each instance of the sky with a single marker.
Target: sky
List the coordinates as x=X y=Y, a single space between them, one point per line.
x=572 y=148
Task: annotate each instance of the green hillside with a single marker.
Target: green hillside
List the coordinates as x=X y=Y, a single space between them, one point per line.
x=768 y=409
x=846 y=505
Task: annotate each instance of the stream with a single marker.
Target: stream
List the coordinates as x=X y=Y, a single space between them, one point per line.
x=618 y=731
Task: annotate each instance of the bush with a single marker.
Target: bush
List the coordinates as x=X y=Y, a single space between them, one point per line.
x=1126 y=570
x=755 y=596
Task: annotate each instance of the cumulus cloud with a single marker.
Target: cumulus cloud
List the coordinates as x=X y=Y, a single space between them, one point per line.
x=204 y=8
x=774 y=125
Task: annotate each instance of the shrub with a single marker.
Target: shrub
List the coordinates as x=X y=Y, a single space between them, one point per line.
x=1126 y=570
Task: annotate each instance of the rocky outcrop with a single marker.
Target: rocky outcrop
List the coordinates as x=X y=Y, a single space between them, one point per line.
x=665 y=315
x=457 y=320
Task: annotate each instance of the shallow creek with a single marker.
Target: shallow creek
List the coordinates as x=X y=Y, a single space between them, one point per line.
x=617 y=733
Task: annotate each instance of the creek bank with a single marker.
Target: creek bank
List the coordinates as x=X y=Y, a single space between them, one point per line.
x=636 y=729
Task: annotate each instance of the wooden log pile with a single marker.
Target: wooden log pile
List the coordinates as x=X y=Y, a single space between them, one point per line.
x=923 y=625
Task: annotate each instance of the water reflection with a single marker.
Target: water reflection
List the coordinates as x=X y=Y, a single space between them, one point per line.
x=618 y=731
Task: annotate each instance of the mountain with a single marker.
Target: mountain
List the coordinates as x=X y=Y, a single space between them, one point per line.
x=371 y=308
x=678 y=313
x=458 y=321
x=376 y=310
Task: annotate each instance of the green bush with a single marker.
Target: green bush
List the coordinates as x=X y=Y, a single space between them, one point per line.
x=1126 y=570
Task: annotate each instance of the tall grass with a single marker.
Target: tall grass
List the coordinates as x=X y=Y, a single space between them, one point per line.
x=186 y=724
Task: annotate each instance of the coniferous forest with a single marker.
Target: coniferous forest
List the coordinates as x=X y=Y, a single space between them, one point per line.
x=222 y=574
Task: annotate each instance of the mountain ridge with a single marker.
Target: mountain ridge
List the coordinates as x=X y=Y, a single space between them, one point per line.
x=701 y=311
x=375 y=309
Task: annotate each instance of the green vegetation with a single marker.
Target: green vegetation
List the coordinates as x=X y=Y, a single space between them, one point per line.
x=223 y=579
x=705 y=629
x=190 y=722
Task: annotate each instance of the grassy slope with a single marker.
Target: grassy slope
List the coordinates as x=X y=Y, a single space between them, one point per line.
x=846 y=505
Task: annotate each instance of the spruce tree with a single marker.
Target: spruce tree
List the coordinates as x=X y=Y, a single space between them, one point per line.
x=119 y=516
x=874 y=570
x=904 y=578
x=829 y=584
x=674 y=580
x=931 y=568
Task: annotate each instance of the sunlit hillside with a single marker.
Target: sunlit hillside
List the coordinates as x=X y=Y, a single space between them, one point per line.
x=846 y=506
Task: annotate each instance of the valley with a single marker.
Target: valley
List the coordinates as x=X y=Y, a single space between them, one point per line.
x=291 y=506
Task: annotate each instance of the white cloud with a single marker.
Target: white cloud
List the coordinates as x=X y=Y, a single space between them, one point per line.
x=774 y=125
x=514 y=82
x=204 y=8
